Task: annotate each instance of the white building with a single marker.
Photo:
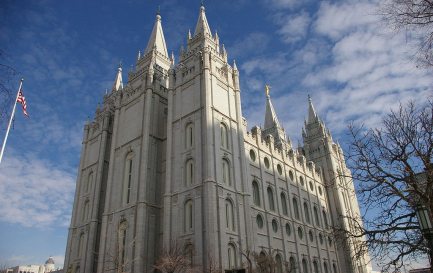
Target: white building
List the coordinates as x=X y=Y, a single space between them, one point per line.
x=49 y=266
x=168 y=159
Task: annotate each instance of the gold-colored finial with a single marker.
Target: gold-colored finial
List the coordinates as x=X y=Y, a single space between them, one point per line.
x=267 y=89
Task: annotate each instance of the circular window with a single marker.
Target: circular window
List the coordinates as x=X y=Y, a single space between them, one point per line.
x=311 y=186
x=321 y=238
x=300 y=233
x=274 y=225
x=266 y=160
x=252 y=155
x=291 y=175
x=330 y=241
x=320 y=190
x=259 y=221
x=310 y=234
x=288 y=229
x=279 y=169
x=301 y=180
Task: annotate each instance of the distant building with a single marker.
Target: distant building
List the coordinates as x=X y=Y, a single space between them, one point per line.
x=49 y=266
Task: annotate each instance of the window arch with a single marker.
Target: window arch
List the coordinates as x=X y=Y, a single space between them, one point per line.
x=304 y=266
x=256 y=193
x=226 y=172
x=291 y=176
x=316 y=216
x=127 y=180
x=279 y=263
x=315 y=267
x=306 y=212
x=334 y=268
x=188 y=221
x=295 y=208
x=284 y=204
x=89 y=183
x=230 y=218
x=271 y=198
x=224 y=136
x=189 y=172
x=325 y=267
x=189 y=135
x=231 y=254
x=122 y=243
x=85 y=214
x=325 y=218
x=292 y=265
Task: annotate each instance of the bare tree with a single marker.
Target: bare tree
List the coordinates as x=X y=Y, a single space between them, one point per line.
x=386 y=163
x=414 y=15
x=174 y=260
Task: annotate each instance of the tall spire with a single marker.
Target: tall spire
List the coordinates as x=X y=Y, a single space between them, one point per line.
x=202 y=25
x=157 y=39
x=271 y=119
x=118 y=83
x=312 y=116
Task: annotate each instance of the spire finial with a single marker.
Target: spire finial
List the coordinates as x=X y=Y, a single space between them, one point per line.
x=309 y=98
x=120 y=66
x=202 y=3
x=267 y=89
x=158 y=11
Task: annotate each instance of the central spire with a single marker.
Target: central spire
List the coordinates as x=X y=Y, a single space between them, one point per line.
x=202 y=25
x=312 y=116
x=271 y=119
x=157 y=39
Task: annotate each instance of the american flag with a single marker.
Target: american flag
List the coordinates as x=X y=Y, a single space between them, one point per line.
x=21 y=99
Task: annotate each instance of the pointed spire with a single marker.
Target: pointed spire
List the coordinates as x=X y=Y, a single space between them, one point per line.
x=271 y=119
x=312 y=116
x=235 y=66
x=139 y=55
x=118 y=83
x=202 y=25
x=172 y=59
x=157 y=39
x=189 y=34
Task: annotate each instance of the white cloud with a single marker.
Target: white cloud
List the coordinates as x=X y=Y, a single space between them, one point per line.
x=253 y=43
x=35 y=192
x=294 y=27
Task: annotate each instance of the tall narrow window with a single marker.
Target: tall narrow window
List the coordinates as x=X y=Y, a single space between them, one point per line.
x=325 y=267
x=231 y=254
x=306 y=212
x=226 y=172
x=80 y=249
x=189 y=172
x=189 y=135
x=292 y=265
x=122 y=244
x=315 y=267
x=85 y=211
x=188 y=216
x=284 y=204
x=334 y=268
x=304 y=266
x=316 y=216
x=230 y=219
x=279 y=263
x=325 y=219
x=295 y=208
x=224 y=136
x=256 y=193
x=271 y=199
x=89 y=182
x=127 y=180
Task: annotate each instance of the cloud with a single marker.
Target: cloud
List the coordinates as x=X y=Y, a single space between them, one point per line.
x=35 y=192
x=294 y=27
x=252 y=44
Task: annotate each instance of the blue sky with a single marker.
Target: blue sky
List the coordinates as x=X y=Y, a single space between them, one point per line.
x=339 y=52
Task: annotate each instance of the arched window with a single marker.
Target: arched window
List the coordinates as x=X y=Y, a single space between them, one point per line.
x=334 y=268
x=315 y=267
x=306 y=212
x=127 y=180
x=226 y=172
x=80 y=249
x=304 y=266
x=279 y=263
x=295 y=208
x=325 y=267
x=89 y=184
x=325 y=219
x=188 y=216
x=291 y=176
x=292 y=265
x=230 y=218
x=189 y=135
x=224 y=136
x=284 y=204
x=231 y=254
x=316 y=216
x=85 y=211
x=77 y=269
x=256 y=193
x=122 y=243
x=189 y=172
x=271 y=199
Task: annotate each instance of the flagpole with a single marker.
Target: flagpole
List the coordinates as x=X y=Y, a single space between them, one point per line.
x=10 y=121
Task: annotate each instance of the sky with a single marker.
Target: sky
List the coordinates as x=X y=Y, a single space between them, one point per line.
x=340 y=52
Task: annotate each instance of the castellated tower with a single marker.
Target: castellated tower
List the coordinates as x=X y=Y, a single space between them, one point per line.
x=168 y=162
